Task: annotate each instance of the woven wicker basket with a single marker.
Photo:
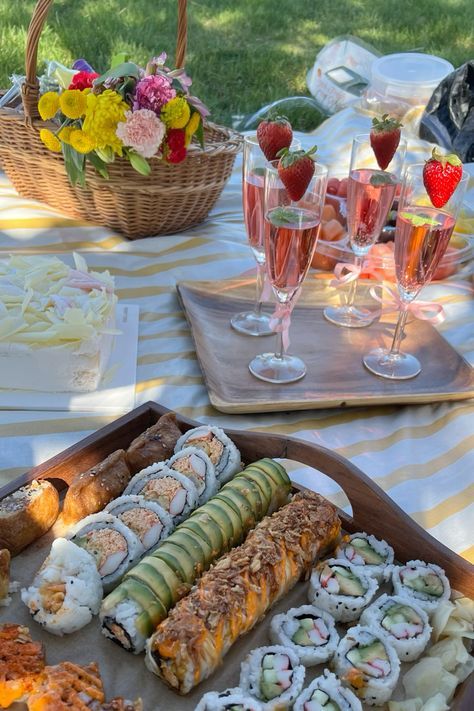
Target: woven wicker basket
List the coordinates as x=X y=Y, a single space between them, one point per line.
x=171 y=199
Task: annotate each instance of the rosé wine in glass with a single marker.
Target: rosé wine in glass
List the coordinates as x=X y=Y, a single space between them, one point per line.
x=423 y=234
x=370 y=196
x=252 y=198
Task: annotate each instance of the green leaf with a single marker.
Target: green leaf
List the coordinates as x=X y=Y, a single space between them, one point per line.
x=282 y=216
x=74 y=163
x=139 y=163
x=98 y=164
x=200 y=134
x=119 y=58
x=381 y=178
x=126 y=69
x=420 y=220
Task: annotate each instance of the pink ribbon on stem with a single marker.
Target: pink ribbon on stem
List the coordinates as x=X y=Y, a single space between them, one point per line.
x=353 y=272
x=280 y=321
x=425 y=310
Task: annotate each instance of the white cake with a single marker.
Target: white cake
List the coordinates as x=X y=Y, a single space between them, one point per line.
x=57 y=324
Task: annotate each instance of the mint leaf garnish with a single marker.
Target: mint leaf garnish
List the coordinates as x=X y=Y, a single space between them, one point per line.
x=381 y=179
x=420 y=220
x=282 y=216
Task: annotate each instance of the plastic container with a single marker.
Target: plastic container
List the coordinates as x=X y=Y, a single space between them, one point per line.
x=401 y=81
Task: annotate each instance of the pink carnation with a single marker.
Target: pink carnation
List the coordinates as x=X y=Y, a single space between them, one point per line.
x=143 y=131
x=153 y=92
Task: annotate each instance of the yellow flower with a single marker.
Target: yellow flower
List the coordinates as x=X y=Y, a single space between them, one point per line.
x=73 y=103
x=50 y=140
x=65 y=134
x=48 y=105
x=176 y=113
x=104 y=112
x=81 y=142
x=192 y=127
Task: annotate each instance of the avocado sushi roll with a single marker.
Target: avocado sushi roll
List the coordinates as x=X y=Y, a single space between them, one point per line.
x=341 y=589
x=326 y=693
x=309 y=631
x=228 y=700
x=423 y=583
x=361 y=549
x=367 y=663
x=219 y=448
x=405 y=623
x=114 y=547
x=273 y=675
x=173 y=491
x=147 y=519
x=194 y=463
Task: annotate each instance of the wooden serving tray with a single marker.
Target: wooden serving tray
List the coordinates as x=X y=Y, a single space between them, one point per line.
x=335 y=375
x=125 y=674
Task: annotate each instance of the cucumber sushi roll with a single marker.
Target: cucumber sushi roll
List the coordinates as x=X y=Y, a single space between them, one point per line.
x=368 y=663
x=405 y=623
x=112 y=544
x=66 y=590
x=147 y=519
x=362 y=549
x=309 y=631
x=196 y=465
x=228 y=700
x=273 y=675
x=219 y=448
x=341 y=589
x=424 y=583
x=174 y=492
x=326 y=693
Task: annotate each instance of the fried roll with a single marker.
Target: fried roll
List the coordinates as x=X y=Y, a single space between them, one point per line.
x=21 y=662
x=238 y=591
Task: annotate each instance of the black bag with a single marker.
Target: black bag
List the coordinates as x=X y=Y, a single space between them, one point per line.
x=449 y=117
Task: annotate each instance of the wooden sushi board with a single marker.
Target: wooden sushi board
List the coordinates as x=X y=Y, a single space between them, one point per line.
x=125 y=674
x=325 y=349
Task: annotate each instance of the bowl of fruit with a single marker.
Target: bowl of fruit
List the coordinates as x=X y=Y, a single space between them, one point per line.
x=333 y=243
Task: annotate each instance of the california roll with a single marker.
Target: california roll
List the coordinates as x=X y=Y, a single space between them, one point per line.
x=309 y=631
x=361 y=549
x=326 y=693
x=228 y=700
x=341 y=589
x=273 y=675
x=219 y=448
x=424 y=583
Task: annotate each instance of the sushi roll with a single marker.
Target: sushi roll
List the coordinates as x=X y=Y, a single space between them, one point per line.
x=196 y=465
x=309 y=631
x=424 y=583
x=405 y=623
x=326 y=693
x=367 y=662
x=147 y=519
x=228 y=700
x=341 y=589
x=173 y=491
x=273 y=675
x=112 y=544
x=66 y=591
x=362 y=549
x=219 y=448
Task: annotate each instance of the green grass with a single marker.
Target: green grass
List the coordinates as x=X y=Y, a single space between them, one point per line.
x=242 y=54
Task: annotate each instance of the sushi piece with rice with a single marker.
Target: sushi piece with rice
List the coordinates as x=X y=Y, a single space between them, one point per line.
x=66 y=591
x=405 y=623
x=309 y=631
x=228 y=700
x=173 y=491
x=114 y=547
x=341 y=589
x=326 y=693
x=218 y=446
x=196 y=465
x=424 y=583
x=147 y=519
x=273 y=675
x=361 y=549
x=367 y=663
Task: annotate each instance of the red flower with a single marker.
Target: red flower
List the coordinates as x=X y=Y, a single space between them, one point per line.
x=175 y=138
x=177 y=155
x=83 y=80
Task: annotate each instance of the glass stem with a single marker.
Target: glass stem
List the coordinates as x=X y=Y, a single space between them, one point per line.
x=397 y=336
x=279 y=350
x=353 y=285
x=260 y=283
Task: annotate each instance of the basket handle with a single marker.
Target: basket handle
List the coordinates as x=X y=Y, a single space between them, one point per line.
x=30 y=88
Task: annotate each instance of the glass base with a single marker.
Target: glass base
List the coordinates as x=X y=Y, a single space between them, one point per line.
x=394 y=367
x=252 y=324
x=349 y=316
x=273 y=369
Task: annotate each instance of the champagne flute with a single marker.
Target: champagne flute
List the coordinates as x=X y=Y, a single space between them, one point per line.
x=291 y=232
x=422 y=235
x=370 y=194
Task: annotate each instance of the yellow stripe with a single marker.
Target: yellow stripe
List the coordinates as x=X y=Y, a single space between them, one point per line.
x=153 y=358
x=177 y=380
x=66 y=247
x=46 y=427
x=165 y=334
x=468 y=554
x=35 y=222
x=324 y=421
x=450 y=506
x=160 y=268
x=141 y=291
x=150 y=316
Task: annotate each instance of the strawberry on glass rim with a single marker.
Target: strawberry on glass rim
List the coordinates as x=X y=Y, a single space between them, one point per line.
x=296 y=168
x=384 y=139
x=273 y=134
x=441 y=175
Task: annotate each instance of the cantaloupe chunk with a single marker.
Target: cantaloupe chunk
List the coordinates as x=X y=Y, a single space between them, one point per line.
x=331 y=231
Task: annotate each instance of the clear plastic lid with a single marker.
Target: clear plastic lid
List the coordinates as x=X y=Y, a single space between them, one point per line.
x=407 y=72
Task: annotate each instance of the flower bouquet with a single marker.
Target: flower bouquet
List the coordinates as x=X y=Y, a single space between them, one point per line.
x=131 y=112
